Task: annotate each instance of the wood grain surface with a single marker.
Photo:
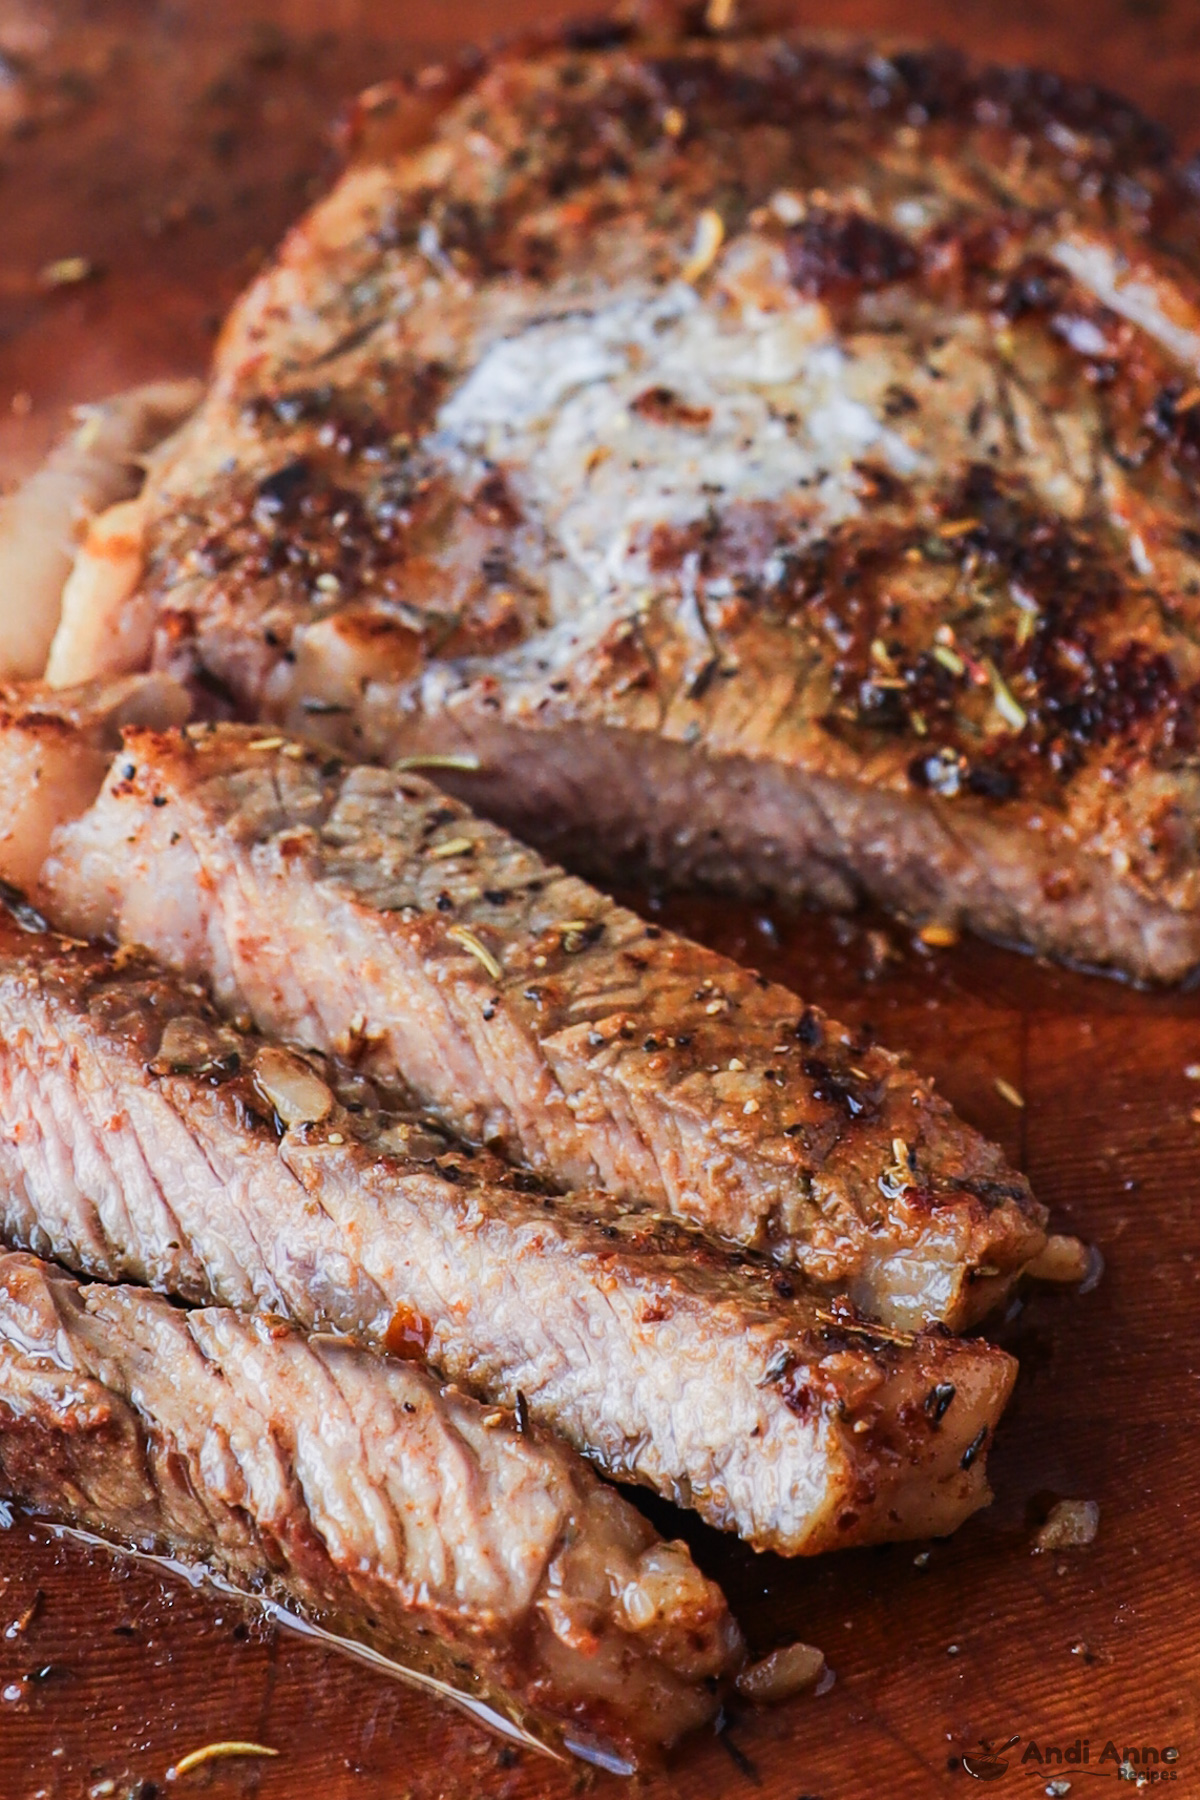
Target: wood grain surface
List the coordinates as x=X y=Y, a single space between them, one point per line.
x=169 y=143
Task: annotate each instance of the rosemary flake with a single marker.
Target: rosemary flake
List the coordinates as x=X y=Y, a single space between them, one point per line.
x=1009 y=708
x=470 y=943
x=868 y=1329
x=210 y=1753
x=710 y=235
x=431 y=760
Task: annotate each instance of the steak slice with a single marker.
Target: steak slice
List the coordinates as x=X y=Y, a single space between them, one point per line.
x=770 y=462
x=365 y=914
x=143 y=1138
x=350 y=1487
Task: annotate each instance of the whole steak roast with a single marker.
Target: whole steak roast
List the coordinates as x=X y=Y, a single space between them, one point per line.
x=770 y=463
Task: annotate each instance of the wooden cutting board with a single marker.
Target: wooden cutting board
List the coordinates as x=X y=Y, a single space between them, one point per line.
x=168 y=144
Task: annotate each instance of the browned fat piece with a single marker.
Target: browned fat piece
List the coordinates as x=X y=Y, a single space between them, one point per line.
x=352 y=1489
x=366 y=914
x=143 y=1138
x=771 y=462
x=55 y=750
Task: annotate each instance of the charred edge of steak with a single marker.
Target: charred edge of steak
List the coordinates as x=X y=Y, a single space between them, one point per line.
x=749 y=77
x=1105 y=142
x=831 y=254
x=1084 y=683
x=271 y=1458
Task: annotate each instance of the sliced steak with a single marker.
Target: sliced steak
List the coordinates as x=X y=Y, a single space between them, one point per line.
x=772 y=462
x=141 y=1137
x=350 y=1487
x=364 y=913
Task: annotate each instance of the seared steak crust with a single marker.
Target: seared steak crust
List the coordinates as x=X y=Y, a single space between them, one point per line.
x=351 y=1488
x=774 y=461
x=142 y=1137
x=365 y=914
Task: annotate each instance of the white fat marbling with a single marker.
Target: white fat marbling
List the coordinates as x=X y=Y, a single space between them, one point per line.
x=1096 y=267
x=790 y=413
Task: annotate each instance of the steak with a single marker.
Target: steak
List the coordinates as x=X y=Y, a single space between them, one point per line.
x=351 y=1488
x=771 y=464
x=364 y=914
x=56 y=751
x=143 y=1138
x=98 y=467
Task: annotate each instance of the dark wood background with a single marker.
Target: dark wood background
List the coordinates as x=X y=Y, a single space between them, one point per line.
x=169 y=143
